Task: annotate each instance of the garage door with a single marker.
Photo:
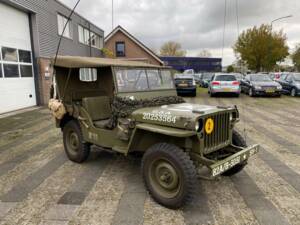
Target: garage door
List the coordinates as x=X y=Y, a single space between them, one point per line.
x=17 y=89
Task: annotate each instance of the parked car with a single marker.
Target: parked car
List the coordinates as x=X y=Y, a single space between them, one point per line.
x=185 y=84
x=238 y=76
x=224 y=83
x=197 y=77
x=290 y=84
x=101 y=105
x=278 y=75
x=205 y=79
x=260 y=84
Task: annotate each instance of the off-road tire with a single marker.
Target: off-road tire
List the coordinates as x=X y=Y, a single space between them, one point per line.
x=185 y=170
x=80 y=151
x=293 y=92
x=238 y=140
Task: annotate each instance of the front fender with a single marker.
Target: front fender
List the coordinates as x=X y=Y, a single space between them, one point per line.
x=145 y=135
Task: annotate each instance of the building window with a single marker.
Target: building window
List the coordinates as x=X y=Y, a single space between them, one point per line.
x=89 y=38
x=11 y=70
x=61 y=22
x=15 y=63
x=9 y=54
x=24 y=56
x=120 y=49
x=26 y=70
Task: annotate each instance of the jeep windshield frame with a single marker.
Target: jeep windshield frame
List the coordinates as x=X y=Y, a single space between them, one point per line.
x=142 y=79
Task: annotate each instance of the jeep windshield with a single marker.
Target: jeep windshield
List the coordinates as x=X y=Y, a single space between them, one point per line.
x=141 y=79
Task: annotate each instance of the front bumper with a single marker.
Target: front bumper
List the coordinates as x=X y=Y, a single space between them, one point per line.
x=231 y=161
x=266 y=93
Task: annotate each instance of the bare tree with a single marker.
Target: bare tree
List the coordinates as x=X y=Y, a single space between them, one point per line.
x=204 y=53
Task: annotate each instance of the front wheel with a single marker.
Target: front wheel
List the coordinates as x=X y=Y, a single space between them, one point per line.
x=76 y=149
x=251 y=94
x=293 y=92
x=169 y=175
x=237 y=140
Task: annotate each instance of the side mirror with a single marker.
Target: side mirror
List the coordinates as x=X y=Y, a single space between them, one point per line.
x=88 y=74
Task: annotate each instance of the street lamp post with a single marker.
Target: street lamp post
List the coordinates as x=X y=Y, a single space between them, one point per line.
x=280 y=18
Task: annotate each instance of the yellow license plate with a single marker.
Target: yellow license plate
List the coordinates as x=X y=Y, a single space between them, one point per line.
x=182 y=85
x=270 y=90
x=226 y=89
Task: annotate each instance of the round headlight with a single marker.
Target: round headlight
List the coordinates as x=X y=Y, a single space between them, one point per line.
x=199 y=125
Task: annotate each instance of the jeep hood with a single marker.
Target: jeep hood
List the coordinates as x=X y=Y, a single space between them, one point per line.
x=183 y=115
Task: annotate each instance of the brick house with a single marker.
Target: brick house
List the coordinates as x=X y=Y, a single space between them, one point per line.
x=30 y=31
x=125 y=46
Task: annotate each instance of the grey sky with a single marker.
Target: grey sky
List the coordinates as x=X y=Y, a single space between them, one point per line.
x=196 y=24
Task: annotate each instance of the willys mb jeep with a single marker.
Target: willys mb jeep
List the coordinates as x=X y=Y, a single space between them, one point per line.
x=127 y=107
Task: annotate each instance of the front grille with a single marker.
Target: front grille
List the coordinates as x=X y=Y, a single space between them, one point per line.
x=220 y=135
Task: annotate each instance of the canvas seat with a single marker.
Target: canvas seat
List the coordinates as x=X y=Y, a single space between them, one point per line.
x=99 y=110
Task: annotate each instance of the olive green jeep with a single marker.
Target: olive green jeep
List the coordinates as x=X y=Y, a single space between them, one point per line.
x=129 y=107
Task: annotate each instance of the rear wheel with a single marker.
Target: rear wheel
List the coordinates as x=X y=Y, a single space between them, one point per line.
x=76 y=149
x=169 y=175
x=238 y=140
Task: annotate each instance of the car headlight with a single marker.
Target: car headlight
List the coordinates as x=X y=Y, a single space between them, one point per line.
x=194 y=82
x=230 y=117
x=257 y=87
x=279 y=87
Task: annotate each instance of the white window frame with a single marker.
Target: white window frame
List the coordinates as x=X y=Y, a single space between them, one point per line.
x=86 y=34
x=68 y=31
x=18 y=63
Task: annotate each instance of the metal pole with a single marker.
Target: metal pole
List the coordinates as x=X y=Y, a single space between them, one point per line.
x=280 y=18
x=112 y=14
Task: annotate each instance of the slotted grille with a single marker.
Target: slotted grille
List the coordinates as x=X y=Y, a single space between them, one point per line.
x=220 y=135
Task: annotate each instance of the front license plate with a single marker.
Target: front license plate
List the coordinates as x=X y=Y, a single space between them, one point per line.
x=226 y=164
x=270 y=90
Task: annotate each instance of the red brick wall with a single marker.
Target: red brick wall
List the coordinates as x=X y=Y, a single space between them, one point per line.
x=44 y=82
x=132 y=50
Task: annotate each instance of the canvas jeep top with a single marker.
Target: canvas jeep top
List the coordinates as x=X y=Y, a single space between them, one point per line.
x=128 y=106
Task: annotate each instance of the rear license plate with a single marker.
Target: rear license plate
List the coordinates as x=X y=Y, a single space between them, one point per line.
x=225 y=165
x=226 y=89
x=182 y=85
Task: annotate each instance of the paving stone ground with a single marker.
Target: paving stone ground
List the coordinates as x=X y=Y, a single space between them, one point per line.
x=39 y=185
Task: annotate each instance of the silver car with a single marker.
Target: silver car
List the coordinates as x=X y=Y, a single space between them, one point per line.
x=224 y=83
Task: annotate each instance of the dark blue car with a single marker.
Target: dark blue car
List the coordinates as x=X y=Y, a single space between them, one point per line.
x=291 y=84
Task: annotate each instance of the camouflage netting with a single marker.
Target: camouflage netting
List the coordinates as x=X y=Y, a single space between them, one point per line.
x=123 y=107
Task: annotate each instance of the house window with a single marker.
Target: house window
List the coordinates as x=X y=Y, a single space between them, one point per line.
x=61 y=22
x=89 y=38
x=120 y=49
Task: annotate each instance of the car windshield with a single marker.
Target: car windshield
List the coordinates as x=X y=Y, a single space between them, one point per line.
x=260 y=77
x=130 y=80
x=297 y=77
x=207 y=76
x=225 y=78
